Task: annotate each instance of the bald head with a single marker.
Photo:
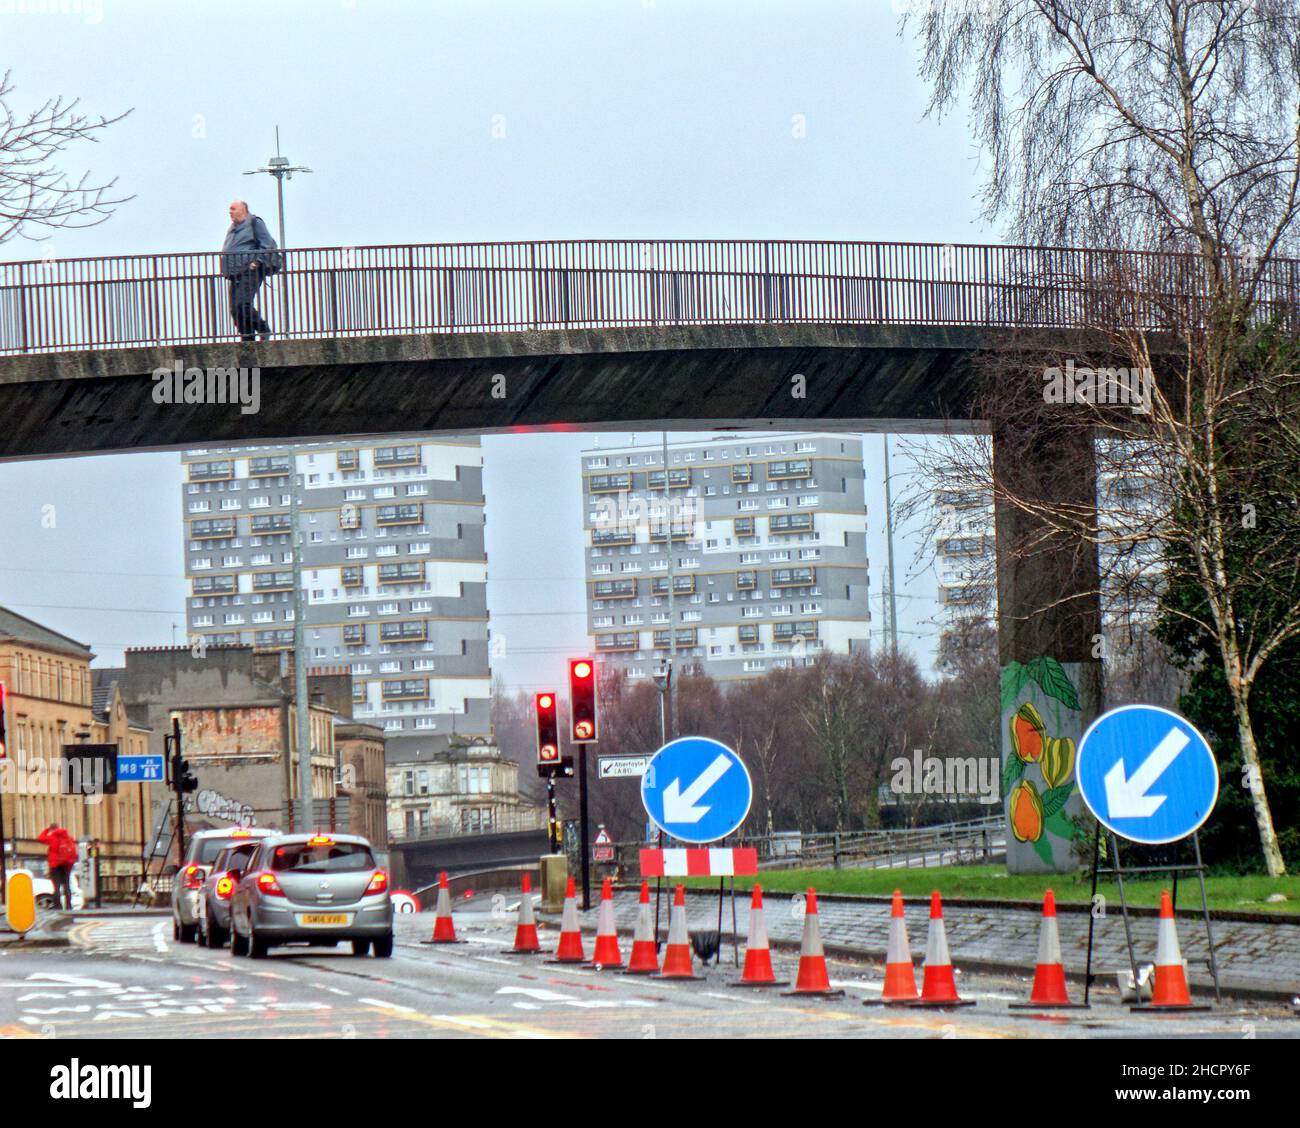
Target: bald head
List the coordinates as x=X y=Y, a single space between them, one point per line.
x=238 y=211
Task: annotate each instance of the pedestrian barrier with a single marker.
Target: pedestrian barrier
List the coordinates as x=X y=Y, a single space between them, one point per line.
x=677 y=957
x=1169 y=991
x=938 y=987
x=758 y=957
x=813 y=978
x=526 y=942
x=606 y=953
x=644 y=959
x=1049 y=990
x=569 y=949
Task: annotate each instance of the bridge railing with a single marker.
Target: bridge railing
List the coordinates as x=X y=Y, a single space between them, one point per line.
x=125 y=301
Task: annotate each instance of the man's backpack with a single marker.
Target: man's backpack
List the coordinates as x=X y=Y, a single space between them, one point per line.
x=272 y=262
x=67 y=850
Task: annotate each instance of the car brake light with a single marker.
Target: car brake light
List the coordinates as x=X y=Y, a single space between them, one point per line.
x=240 y=834
x=267 y=883
x=320 y=840
x=225 y=887
x=378 y=883
x=193 y=877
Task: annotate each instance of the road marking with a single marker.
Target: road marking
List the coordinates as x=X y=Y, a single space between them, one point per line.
x=494 y=960
x=738 y=997
x=159 y=940
x=273 y=975
x=388 y=1006
x=463 y=1020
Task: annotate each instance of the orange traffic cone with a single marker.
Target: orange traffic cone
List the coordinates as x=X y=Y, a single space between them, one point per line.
x=938 y=988
x=758 y=957
x=444 y=929
x=812 y=978
x=569 y=949
x=1169 y=991
x=677 y=957
x=644 y=959
x=526 y=943
x=1049 y=975
x=606 y=953
x=900 y=977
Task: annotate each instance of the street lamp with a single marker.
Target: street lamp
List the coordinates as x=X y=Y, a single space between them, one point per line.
x=663 y=679
x=282 y=170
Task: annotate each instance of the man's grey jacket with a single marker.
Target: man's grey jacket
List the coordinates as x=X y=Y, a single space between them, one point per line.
x=243 y=241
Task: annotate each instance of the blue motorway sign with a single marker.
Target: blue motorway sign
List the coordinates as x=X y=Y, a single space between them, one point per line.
x=696 y=789
x=1147 y=774
x=139 y=769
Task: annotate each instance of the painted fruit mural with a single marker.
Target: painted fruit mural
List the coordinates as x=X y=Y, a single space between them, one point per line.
x=1038 y=772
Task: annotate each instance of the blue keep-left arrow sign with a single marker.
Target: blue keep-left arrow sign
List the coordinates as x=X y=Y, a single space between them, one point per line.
x=1147 y=774
x=696 y=789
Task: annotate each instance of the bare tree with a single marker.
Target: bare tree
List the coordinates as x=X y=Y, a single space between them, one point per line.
x=35 y=192
x=1162 y=126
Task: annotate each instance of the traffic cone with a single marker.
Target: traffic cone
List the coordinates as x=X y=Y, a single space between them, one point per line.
x=606 y=953
x=677 y=957
x=938 y=988
x=1169 y=992
x=569 y=949
x=644 y=959
x=758 y=958
x=812 y=978
x=1049 y=975
x=526 y=943
x=444 y=929
x=900 y=977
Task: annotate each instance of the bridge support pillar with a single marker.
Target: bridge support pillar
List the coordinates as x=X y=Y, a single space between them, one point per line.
x=1049 y=633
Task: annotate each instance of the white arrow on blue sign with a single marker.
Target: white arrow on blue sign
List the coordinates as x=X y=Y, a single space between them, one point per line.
x=1147 y=774
x=696 y=789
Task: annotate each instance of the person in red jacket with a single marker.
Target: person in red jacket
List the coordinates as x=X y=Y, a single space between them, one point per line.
x=61 y=853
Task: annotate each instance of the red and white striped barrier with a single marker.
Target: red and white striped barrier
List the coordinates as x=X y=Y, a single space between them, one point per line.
x=737 y=861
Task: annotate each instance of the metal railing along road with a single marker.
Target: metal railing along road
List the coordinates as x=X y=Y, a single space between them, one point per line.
x=126 y=301
x=502 y=822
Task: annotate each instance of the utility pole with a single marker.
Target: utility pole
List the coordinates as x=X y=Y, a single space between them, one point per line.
x=282 y=170
x=300 y=702
x=889 y=554
x=672 y=601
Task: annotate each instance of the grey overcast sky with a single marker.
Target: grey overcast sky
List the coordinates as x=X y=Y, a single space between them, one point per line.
x=477 y=120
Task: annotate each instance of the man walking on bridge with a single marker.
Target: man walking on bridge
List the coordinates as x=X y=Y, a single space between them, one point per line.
x=246 y=269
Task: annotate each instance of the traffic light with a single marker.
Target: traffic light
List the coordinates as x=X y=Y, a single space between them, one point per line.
x=582 y=701
x=186 y=780
x=548 y=729
x=4 y=746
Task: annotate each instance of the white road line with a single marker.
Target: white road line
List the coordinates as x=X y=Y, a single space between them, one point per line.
x=388 y=1006
x=463 y=1020
x=738 y=997
x=159 y=940
x=273 y=975
x=494 y=960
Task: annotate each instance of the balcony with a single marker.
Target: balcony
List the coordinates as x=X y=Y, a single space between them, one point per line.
x=273 y=581
x=685 y=637
x=211 y=471
x=214 y=585
x=785 y=632
x=216 y=528
x=272 y=523
x=792 y=468
x=613 y=536
x=609 y=483
x=789 y=524
x=793 y=577
x=742 y=473
x=399 y=514
x=268 y=467
x=677 y=479
x=746 y=581
x=614 y=589
x=627 y=640
x=743 y=526
x=416 y=689
x=273 y=640
x=682 y=585
x=347 y=460
x=352 y=576
x=385 y=457
x=413 y=630
x=408 y=573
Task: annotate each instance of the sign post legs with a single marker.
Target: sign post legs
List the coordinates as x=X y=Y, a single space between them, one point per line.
x=1092 y=912
x=1205 y=912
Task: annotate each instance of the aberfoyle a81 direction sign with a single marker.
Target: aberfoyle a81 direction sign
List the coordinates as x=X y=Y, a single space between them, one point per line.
x=696 y=789
x=1147 y=774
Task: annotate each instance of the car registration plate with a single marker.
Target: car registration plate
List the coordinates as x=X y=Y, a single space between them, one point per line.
x=324 y=918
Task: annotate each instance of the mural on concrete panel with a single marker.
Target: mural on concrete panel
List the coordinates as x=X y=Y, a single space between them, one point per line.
x=1043 y=718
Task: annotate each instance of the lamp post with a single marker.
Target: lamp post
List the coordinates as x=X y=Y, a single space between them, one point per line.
x=282 y=170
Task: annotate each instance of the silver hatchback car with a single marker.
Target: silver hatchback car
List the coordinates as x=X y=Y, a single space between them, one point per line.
x=312 y=888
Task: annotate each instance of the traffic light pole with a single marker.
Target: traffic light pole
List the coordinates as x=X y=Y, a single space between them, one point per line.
x=552 y=836
x=176 y=787
x=583 y=827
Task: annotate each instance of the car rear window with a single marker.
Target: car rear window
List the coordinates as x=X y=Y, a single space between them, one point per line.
x=209 y=848
x=235 y=857
x=336 y=857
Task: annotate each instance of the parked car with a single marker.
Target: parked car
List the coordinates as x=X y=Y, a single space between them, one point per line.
x=43 y=890
x=212 y=924
x=312 y=888
x=200 y=852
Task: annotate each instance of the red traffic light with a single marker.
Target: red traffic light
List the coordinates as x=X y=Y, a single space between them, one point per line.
x=545 y=701
x=584 y=730
x=582 y=669
x=548 y=729
x=582 y=700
